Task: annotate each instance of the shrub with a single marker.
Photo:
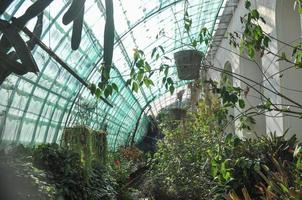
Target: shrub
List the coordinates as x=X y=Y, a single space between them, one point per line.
x=182 y=159
x=64 y=168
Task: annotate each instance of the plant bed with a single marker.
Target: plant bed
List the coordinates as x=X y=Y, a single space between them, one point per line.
x=188 y=64
x=65 y=169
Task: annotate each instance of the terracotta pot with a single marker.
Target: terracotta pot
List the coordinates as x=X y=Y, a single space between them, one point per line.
x=188 y=64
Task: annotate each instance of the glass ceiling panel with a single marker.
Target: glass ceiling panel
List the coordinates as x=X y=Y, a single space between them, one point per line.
x=36 y=108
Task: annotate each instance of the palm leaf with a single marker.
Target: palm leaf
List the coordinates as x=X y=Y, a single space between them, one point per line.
x=4 y=5
x=73 y=12
x=109 y=34
x=32 y=42
x=77 y=30
x=33 y=11
x=12 y=35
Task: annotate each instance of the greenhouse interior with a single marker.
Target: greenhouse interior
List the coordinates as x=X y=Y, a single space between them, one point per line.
x=150 y=100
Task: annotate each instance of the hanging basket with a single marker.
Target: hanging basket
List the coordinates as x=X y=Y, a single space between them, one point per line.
x=188 y=64
x=178 y=113
x=91 y=145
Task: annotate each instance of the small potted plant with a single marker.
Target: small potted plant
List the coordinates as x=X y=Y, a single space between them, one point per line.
x=188 y=62
x=179 y=113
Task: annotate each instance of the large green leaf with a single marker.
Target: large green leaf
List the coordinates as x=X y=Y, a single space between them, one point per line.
x=109 y=34
x=73 y=12
x=4 y=5
x=33 y=11
x=32 y=42
x=12 y=35
x=77 y=30
x=7 y=66
x=10 y=65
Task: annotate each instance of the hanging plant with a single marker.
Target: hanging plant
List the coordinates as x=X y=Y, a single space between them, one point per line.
x=188 y=62
x=108 y=34
x=104 y=87
x=178 y=113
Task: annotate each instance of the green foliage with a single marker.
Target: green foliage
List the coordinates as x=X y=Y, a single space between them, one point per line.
x=65 y=170
x=123 y=164
x=230 y=96
x=140 y=69
x=20 y=179
x=253 y=38
x=104 y=87
x=181 y=162
x=89 y=144
x=297 y=54
x=299 y=3
x=203 y=36
x=262 y=168
x=246 y=122
x=196 y=161
x=140 y=72
x=101 y=185
x=52 y=172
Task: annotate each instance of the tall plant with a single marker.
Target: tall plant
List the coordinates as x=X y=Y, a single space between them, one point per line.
x=182 y=159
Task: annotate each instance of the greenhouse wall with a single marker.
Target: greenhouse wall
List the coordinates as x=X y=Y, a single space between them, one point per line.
x=277 y=14
x=35 y=108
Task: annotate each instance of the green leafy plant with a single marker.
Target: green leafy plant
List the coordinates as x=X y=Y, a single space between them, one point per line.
x=181 y=162
x=123 y=165
x=261 y=168
x=65 y=169
x=254 y=40
x=140 y=73
x=202 y=38
x=20 y=179
x=238 y=168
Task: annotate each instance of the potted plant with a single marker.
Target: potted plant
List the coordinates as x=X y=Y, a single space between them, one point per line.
x=188 y=62
x=90 y=144
x=178 y=113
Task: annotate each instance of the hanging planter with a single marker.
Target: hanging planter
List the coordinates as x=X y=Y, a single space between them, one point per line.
x=91 y=145
x=188 y=64
x=178 y=113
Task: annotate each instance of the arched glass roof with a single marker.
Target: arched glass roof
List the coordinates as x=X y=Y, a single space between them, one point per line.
x=36 y=108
